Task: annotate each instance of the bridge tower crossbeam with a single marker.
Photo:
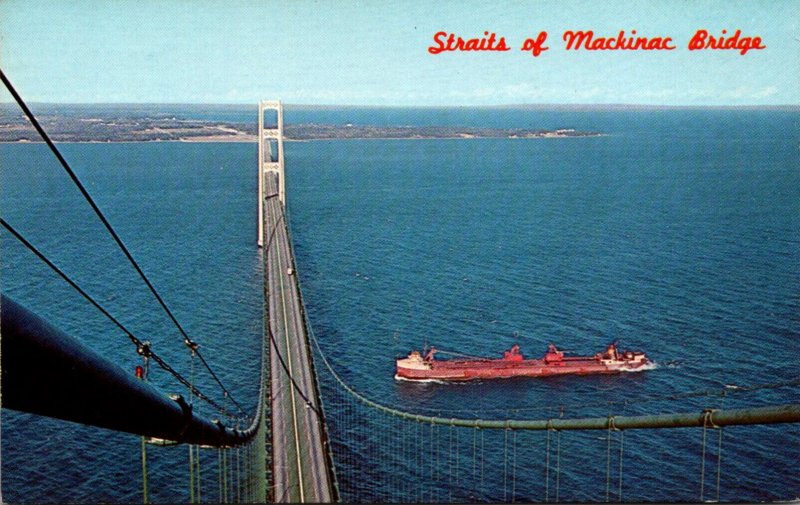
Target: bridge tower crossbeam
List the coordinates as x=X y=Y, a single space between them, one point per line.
x=270 y=157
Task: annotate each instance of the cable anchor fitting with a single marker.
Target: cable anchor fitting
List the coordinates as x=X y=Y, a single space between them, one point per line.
x=708 y=419
x=143 y=349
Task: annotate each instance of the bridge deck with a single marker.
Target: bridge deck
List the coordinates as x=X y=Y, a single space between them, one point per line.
x=300 y=462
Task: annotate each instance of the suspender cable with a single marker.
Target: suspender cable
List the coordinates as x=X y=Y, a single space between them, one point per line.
x=608 y=463
x=219 y=476
x=199 y=482
x=187 y=341
x=191 y=474
x=514 y=467
x=558 y=465
x=238 y=476
x=547 y=468
x=432 y=446
x=474 y=453
x=482 y=455
x=421 y=451
x=450 y=466
x=458 y=446
x=225 y=475
x=719 y=461
x=621 y=454
x=703 y=459
x=505 y=465
x=145 y=494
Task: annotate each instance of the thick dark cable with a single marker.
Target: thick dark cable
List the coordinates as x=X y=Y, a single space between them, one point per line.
x=286 y=369
x=272 y=336
x=188 y=341
x=141 y=347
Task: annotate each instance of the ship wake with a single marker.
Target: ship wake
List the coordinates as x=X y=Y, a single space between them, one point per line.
x=650 y=366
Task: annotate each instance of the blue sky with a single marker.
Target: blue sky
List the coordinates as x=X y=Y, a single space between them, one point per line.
x=375 y=53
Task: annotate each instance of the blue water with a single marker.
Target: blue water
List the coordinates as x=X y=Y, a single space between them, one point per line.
x=186 y=212
x=676 y=232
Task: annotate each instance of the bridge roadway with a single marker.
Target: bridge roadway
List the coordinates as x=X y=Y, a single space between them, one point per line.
x=299 y=456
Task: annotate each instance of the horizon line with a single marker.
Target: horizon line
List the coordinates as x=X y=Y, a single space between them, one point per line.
x=615 y=105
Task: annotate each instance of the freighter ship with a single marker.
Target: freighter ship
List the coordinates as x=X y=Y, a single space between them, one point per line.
x=513 y=364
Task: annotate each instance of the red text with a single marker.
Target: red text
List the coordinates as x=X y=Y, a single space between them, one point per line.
x=449 y=42
x=702 y=40
x=535 y=46
x=585 y=40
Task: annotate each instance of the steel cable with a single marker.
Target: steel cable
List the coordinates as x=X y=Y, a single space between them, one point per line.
x=719 y=461
x=145 y=493
x=514 y=467
x=199 y=481
x=505 y=465
x=608 y=463
x=187 y=341
x=621 y=454
x=558 y=465
x=724 y=392
x=547 y=469
x=272 y=339
x=191 y=474
x=142 y=348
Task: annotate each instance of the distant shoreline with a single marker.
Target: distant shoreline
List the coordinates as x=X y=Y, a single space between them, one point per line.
x=225 y=123
x=299 y=106
x=119 y=126
x=254 y=140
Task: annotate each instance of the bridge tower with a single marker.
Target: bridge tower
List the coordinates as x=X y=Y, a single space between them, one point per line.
x=270 y=156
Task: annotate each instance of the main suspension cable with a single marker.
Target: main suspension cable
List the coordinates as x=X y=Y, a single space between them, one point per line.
x=309 y=403
x=187 y=341
x=723 y=392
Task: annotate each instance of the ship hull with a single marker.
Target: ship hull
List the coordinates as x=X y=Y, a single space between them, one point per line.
x=465 y=370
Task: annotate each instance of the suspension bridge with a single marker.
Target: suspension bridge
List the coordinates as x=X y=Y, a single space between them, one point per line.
x=313 y=435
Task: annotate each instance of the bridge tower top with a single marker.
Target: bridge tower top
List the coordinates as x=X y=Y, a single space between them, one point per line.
x=270 y=155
